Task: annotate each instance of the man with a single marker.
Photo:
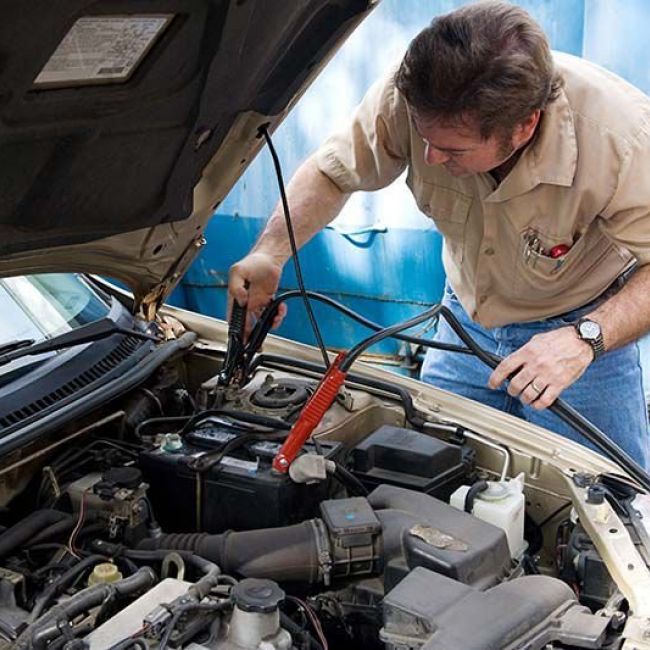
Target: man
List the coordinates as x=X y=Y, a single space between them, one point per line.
x=536 y=170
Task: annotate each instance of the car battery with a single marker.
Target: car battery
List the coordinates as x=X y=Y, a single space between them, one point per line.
x=412 y=460
x=241 y=492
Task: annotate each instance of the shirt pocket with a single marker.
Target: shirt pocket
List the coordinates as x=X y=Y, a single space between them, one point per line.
x=540 y=274
x=449 y=210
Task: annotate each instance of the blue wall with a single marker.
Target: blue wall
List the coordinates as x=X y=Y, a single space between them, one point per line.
x=616 y=37
x=394 y=270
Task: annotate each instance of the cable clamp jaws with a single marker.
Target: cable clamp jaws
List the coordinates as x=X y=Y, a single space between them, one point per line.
x=234 y=364
x=261 y=330
x=311 y=415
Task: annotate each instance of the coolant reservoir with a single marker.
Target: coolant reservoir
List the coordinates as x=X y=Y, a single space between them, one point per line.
x=502 y=504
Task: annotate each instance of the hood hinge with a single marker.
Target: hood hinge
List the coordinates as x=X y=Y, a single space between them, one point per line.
x=153 y=300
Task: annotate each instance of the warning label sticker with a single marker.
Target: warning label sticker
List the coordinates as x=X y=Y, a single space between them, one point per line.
x=248 y=465
x=101 y=49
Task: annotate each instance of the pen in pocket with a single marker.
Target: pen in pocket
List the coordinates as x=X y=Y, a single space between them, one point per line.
x=534 y=249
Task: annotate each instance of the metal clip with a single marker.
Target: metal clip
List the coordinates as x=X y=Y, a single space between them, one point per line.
x=323 y=553
x=174 y=560
x=533 y=248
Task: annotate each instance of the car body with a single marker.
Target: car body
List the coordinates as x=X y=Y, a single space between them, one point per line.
x=410 y=518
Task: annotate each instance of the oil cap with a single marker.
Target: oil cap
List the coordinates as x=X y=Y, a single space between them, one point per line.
x=257 y=595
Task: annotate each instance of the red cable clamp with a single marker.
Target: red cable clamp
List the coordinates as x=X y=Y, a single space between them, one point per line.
x=311 y=415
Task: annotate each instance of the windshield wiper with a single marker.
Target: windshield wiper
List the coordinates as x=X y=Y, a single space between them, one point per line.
x=15 y=345
x=94 y=331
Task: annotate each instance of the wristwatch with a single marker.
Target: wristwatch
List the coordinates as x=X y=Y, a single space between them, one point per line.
x=590 y=332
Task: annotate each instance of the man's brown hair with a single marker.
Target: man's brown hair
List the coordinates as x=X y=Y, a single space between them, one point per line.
x=489 y=62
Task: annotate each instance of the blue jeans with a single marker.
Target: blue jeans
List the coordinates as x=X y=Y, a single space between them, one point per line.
x=609 y=394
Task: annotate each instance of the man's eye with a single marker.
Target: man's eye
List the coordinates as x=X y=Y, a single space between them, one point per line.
x=450 y=154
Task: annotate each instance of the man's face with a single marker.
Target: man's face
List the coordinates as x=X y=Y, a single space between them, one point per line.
x=461 y=149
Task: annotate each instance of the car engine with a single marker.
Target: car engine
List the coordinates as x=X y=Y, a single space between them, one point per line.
x=159 y=522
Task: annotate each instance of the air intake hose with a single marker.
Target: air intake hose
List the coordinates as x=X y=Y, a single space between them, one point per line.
x=286 y=554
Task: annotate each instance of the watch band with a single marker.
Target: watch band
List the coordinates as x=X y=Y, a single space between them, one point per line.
x=598 y=346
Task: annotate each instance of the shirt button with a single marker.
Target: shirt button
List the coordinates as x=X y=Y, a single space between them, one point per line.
x=489 y=250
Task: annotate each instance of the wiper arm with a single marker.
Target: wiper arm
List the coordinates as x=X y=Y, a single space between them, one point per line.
x=94 y=331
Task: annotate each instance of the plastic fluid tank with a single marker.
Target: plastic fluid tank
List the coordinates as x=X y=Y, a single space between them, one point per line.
x=502 y=504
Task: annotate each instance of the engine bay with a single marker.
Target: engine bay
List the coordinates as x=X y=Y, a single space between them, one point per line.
x=160 y=522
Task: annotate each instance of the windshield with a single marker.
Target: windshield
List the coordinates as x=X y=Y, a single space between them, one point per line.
x=43 y=306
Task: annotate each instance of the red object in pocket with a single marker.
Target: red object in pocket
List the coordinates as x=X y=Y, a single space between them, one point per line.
x=558 y=251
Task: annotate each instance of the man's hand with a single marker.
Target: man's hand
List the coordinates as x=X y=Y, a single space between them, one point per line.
x=544 y=367
x=315 y=200
x=253 y=282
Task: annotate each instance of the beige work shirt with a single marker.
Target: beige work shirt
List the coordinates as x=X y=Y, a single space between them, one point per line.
x=584 y=181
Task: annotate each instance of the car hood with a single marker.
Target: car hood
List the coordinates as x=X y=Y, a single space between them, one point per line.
x=125 y=124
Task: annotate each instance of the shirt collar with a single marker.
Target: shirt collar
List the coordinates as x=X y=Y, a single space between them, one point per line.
x=551 y=158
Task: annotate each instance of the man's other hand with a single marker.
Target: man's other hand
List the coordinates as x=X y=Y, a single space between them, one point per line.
x=540 y=370
x=252 y=282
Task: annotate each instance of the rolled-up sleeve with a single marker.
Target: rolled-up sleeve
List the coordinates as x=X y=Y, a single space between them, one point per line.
x=626 y=220
x=372 y=150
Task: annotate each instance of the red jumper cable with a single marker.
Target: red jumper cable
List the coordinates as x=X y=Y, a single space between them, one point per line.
x=326 y=392
x=311 y=415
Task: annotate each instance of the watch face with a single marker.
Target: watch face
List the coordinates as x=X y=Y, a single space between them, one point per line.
x=589 y=329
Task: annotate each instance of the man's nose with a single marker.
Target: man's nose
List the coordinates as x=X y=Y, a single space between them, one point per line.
x=433 y=156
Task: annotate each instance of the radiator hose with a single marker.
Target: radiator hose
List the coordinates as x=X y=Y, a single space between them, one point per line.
x=29 y=527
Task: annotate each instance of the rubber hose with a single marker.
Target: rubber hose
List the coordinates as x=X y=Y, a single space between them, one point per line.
x=28 y=527
x=63 y=581
x=48 y=627
x=392 y=497
x=297 y=631
x=472 y=493
x=393 y=524
x=153 y=555
x=288 y=554
x=200 y=589
x=284 y=554
x=61 y=527
x=53 y=531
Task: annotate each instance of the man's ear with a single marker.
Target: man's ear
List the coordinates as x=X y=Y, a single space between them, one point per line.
x=524 y=130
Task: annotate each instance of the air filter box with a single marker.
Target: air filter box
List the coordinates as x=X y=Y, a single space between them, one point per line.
x=412 y=460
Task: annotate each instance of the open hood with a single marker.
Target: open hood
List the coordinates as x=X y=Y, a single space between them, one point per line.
x=124 y=123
